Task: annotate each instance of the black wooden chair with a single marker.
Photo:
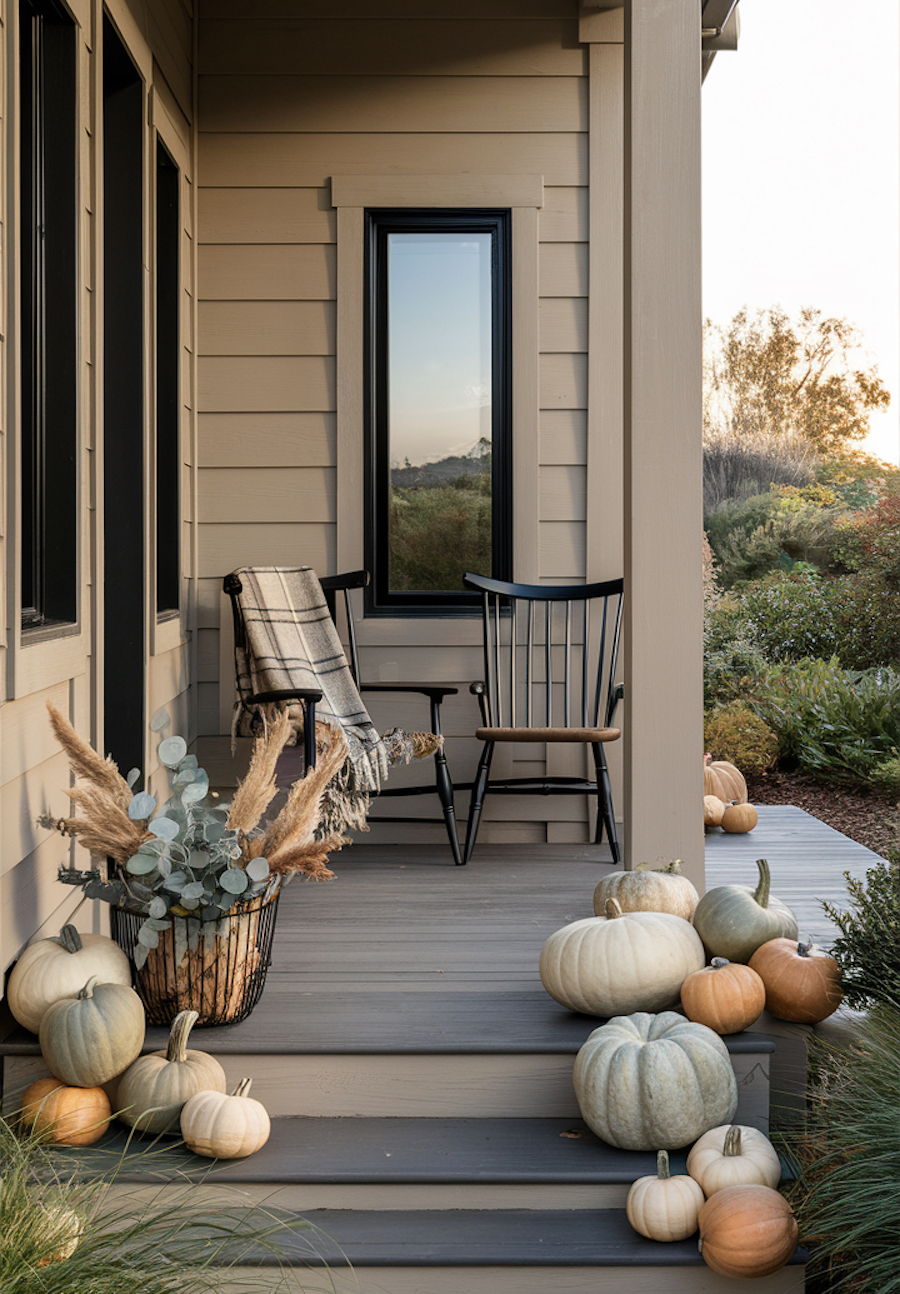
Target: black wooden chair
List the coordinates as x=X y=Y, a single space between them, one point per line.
x=332 y=585
x=550 y=655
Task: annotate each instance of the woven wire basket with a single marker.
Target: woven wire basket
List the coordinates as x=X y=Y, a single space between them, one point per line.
x=221 y=976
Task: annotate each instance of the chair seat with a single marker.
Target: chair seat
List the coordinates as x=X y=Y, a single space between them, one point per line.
x=582 y=735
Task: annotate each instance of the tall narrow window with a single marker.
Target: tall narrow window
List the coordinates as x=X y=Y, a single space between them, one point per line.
x=168 y=344
x=439 y=453
x=48 y=313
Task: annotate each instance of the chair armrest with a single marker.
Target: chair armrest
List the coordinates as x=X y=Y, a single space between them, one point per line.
x=296 y=694
x=412 y=689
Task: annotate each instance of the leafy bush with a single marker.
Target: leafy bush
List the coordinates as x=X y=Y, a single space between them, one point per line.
x=845 y=1196
x=732 y=658
x=790 y=615
x=838 y=723
x=864 y=614
x=437 y=534
x=886 y=776
x=867 y=948
x=734 y=732
x=870 y=540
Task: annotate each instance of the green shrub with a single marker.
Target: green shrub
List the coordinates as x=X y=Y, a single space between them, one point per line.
x=790 y=615
x=867 y=949
x=863 y=612
x=886 y=776
x=738 y=465
x=732 y=658
x=734 y=732
x=437 y=534
x=838 y=723
x=774 y=530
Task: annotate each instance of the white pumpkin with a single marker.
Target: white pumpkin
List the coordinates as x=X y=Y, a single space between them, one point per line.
x=646 y=1082
x=664 y=1207
x=623 y=962
x=54 y=968
x=733 y=1155
x=645 y=890
x=225 y=1127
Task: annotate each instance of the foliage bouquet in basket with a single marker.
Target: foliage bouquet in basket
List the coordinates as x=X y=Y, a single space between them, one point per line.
x=194 y=879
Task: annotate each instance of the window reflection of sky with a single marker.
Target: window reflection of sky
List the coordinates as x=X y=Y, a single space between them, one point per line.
x=439 y=344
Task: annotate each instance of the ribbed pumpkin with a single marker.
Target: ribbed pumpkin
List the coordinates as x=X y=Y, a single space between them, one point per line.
x=662 y=890
x=623 y=962
x=646 y=1082
x=713 y=809
x=153 y=1090
x=725 y=996
x=664 y=1207
x=733 y=920
x=91 y=1038
x=225 y=1127
x=733 y=1155
x=747 y=1231
x=738 y=819
x=70 y=1116
x=54 y=968
x=802 y=981
x=724 y=780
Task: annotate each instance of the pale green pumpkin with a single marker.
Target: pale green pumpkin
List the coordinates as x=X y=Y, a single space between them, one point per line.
x=153 y=1090
x=733 y=920
x=89 y=1039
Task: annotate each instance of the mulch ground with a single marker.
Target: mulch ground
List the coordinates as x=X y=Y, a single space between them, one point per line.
x=867 y=817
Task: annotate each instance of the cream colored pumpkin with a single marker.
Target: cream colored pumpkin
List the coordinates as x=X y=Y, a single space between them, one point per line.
x=733 y=1155
x=664 y=1207
x=643 y=890
x=623 y=962
x=225 y=1127
x=52 y=969
x=153 y=1090
x=645 y=1082
x=713 y=810
x=89 y=1039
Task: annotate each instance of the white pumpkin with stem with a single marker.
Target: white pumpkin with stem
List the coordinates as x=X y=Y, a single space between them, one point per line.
x=51 y=969
x=661 y=889
x=225 y=1127
x=152 y=1091
x=623 y=962
x=664 y=1207
x=733 y=1155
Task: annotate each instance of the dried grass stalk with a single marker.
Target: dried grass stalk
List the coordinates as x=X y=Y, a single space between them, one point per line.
x=310 y=858
x=105 y=828
x=85 y=762
x=259 y=787
x=297 y=822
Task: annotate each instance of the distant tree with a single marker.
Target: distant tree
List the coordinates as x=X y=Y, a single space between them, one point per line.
x=808 y=378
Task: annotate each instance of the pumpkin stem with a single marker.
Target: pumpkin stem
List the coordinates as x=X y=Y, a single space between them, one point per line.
x=176 y=1051
x=613 y=909
x=718 y=962
x=243 y=1087
x=662 y=1165
x=803 y=949
x=88 y=990
x=70 y=939
x=670 y=869
x=761 y=893
x=732 y=1141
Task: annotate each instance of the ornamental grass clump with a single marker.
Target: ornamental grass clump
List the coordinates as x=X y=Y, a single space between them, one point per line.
x=189 y=858
x=62 y=1231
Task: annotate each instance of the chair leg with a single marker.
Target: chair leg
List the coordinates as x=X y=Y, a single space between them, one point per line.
x=605 y=815
x=445 y=785
x=479 y=789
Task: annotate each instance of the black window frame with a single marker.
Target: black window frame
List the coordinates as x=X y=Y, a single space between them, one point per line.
x=48 y=314
x=379 y=224
x=168 y=382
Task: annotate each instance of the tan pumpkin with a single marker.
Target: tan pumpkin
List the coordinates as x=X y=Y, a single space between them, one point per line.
x=664 y=1207
x=663 y=889
x=225 y=1127
x=739 y=819
x=747 y=1231
x=153 y=1090
x=803 y=983
x=89 y=1039
x=51 y=969
x=70 y=1116
x=725 y=996
x=733 y=1155
x=713 y=810
x=724 y=780
x=623 y=962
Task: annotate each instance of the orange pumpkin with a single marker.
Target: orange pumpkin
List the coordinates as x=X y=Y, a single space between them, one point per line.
x=803 y=983
x=724 y=780
x=725 y=996
x=72 y=1116
x=739 y=818
x=747 y=1231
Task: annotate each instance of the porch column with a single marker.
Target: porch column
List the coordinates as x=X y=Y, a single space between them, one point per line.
x=663 y=725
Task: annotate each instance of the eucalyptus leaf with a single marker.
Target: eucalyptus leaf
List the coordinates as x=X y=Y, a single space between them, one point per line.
x=158 y=907
x=142 y=806
x=234 y=881
x=172 y=751
x=183 y=777
x=133 y=776
x=195 y=791
x=153 y=923
x=140 y=865
x=164 y=828
x=189 y=761
x=192 y=891
x=148 y=937
x=198 y=860
x=209 y=913
x=214 y=831
x=140 y=955
x=159 y=721
x=258 y=869
x=164 y=867
x=190 y=904
x=176 y=881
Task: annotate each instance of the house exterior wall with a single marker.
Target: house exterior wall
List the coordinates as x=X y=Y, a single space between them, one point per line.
x=65 y=665
x=307 y=114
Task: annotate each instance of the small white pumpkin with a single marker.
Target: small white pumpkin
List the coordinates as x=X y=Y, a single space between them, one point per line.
x=733 y=1155
x=645 y=1082
x=51 y=969
x=623 y=962
x=153 y=1090
x=661 y=889
x=225 y=1127
x=664 y=1207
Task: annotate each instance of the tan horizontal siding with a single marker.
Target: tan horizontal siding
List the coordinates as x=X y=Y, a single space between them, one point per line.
x=261 y=384
x=266 y=215
x=275 y=272
x=562 y=493
x=563 y=324
x=267 y=439
x=268 y=494
x=564 y=216
x=309 y=160
x=227 y=545
x=563 y=550
x=564 y=270
x=267 y=327
x=32 y=901
x=563 y=381
x=563 y=436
